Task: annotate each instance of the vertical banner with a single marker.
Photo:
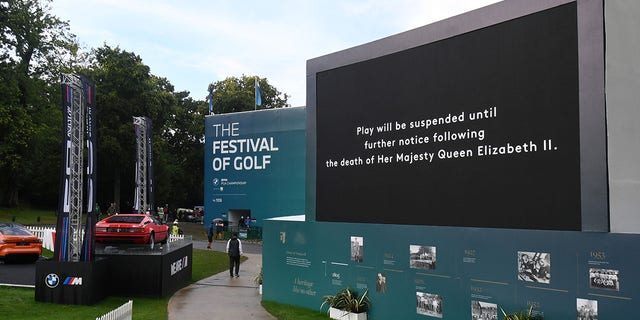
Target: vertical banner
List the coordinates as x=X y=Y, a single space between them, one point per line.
x=150 y=197
x=88 y=249
x=62 y=231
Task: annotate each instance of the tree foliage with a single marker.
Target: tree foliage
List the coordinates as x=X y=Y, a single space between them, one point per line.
x=34 y=44
x=238 y=94
x=126 y=89
x=184 y=143
x=34 y=47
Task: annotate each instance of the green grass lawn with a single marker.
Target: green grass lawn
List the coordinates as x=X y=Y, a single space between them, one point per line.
x=28 y=217
x=20 y=303
x=289 y=312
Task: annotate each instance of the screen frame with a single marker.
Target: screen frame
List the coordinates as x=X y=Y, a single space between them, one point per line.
x=592 y=122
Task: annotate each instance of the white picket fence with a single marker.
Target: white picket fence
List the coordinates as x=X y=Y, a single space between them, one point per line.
x=45 y=234
x=176 y=237
x=123 y=312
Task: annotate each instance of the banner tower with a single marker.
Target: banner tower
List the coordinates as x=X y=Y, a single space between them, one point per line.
x=143 y=198
x=74 y=242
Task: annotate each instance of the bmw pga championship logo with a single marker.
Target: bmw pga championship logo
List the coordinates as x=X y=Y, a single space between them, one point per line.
x=52 y=280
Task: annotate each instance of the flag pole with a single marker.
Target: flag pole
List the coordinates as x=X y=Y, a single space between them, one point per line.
x=258 y=94
x=211 y=102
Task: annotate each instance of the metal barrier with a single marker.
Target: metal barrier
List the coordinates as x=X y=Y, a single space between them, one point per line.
x=123 y=312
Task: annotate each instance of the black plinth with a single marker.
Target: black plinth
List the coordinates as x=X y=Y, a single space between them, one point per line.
x=134 y=271
x=80 y=283
x=143 y=273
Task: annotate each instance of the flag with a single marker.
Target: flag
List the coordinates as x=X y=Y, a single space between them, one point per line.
x=258 y=94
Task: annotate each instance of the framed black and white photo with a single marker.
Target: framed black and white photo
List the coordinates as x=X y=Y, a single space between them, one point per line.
x=586 y=309
x=607 y=279
x=422 y=257
x=534 y=267
x=357 y=249
x=429 y=304
x=481 y=310
x=381 y=283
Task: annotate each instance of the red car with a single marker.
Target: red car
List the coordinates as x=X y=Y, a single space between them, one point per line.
x=131 y=228
x=16 y=241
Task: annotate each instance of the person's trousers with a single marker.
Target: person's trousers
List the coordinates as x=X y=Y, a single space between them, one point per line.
x=234 y=265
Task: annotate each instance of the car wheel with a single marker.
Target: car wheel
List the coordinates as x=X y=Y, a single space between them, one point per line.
x=152 y=241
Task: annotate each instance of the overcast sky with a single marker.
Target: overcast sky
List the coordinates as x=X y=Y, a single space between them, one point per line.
x=195 y=42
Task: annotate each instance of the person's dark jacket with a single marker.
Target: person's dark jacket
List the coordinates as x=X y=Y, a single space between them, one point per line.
x=234 y=247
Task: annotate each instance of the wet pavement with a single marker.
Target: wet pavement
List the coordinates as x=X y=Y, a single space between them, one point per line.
x=220 y=296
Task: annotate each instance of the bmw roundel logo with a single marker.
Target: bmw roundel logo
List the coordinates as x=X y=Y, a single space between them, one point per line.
x=52 y=280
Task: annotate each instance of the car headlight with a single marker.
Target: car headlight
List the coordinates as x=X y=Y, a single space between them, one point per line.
x=101 y=229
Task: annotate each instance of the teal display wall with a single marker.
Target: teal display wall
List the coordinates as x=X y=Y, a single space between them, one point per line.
x=304 y=261
x=255 y=161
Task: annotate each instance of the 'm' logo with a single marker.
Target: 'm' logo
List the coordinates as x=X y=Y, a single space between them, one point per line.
x=52 y=280
x=73 y=281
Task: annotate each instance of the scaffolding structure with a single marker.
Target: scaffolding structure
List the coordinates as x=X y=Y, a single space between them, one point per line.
x=74 y=187
x=141 y=198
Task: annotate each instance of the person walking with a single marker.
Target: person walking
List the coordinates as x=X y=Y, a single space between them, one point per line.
x=234 y=250
x=219 y=230
x=210 y=232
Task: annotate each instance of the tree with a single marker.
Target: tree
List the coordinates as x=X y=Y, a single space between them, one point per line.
x=34 y=47
x=35 y=44
x=185 y=147
x=237 y=94
x=16 y=129
x=126 y=89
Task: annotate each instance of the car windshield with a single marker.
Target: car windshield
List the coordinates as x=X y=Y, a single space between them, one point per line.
x=125 y=219
x=14 y=230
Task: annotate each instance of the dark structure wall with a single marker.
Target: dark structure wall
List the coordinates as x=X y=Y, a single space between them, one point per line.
x=460 y=65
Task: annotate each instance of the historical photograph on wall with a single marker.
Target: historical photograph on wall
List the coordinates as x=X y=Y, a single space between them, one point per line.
x=357 y=249
x=586 y=309
x=481 y=310
x=534 y=267
x=429 y=304
x=422 y=257
x=381 y=283
x=604 y=279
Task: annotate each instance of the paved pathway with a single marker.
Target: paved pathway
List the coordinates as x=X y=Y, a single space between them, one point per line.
x=220 y=296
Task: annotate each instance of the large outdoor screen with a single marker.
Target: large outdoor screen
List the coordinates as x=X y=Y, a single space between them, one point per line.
x=477 y=130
